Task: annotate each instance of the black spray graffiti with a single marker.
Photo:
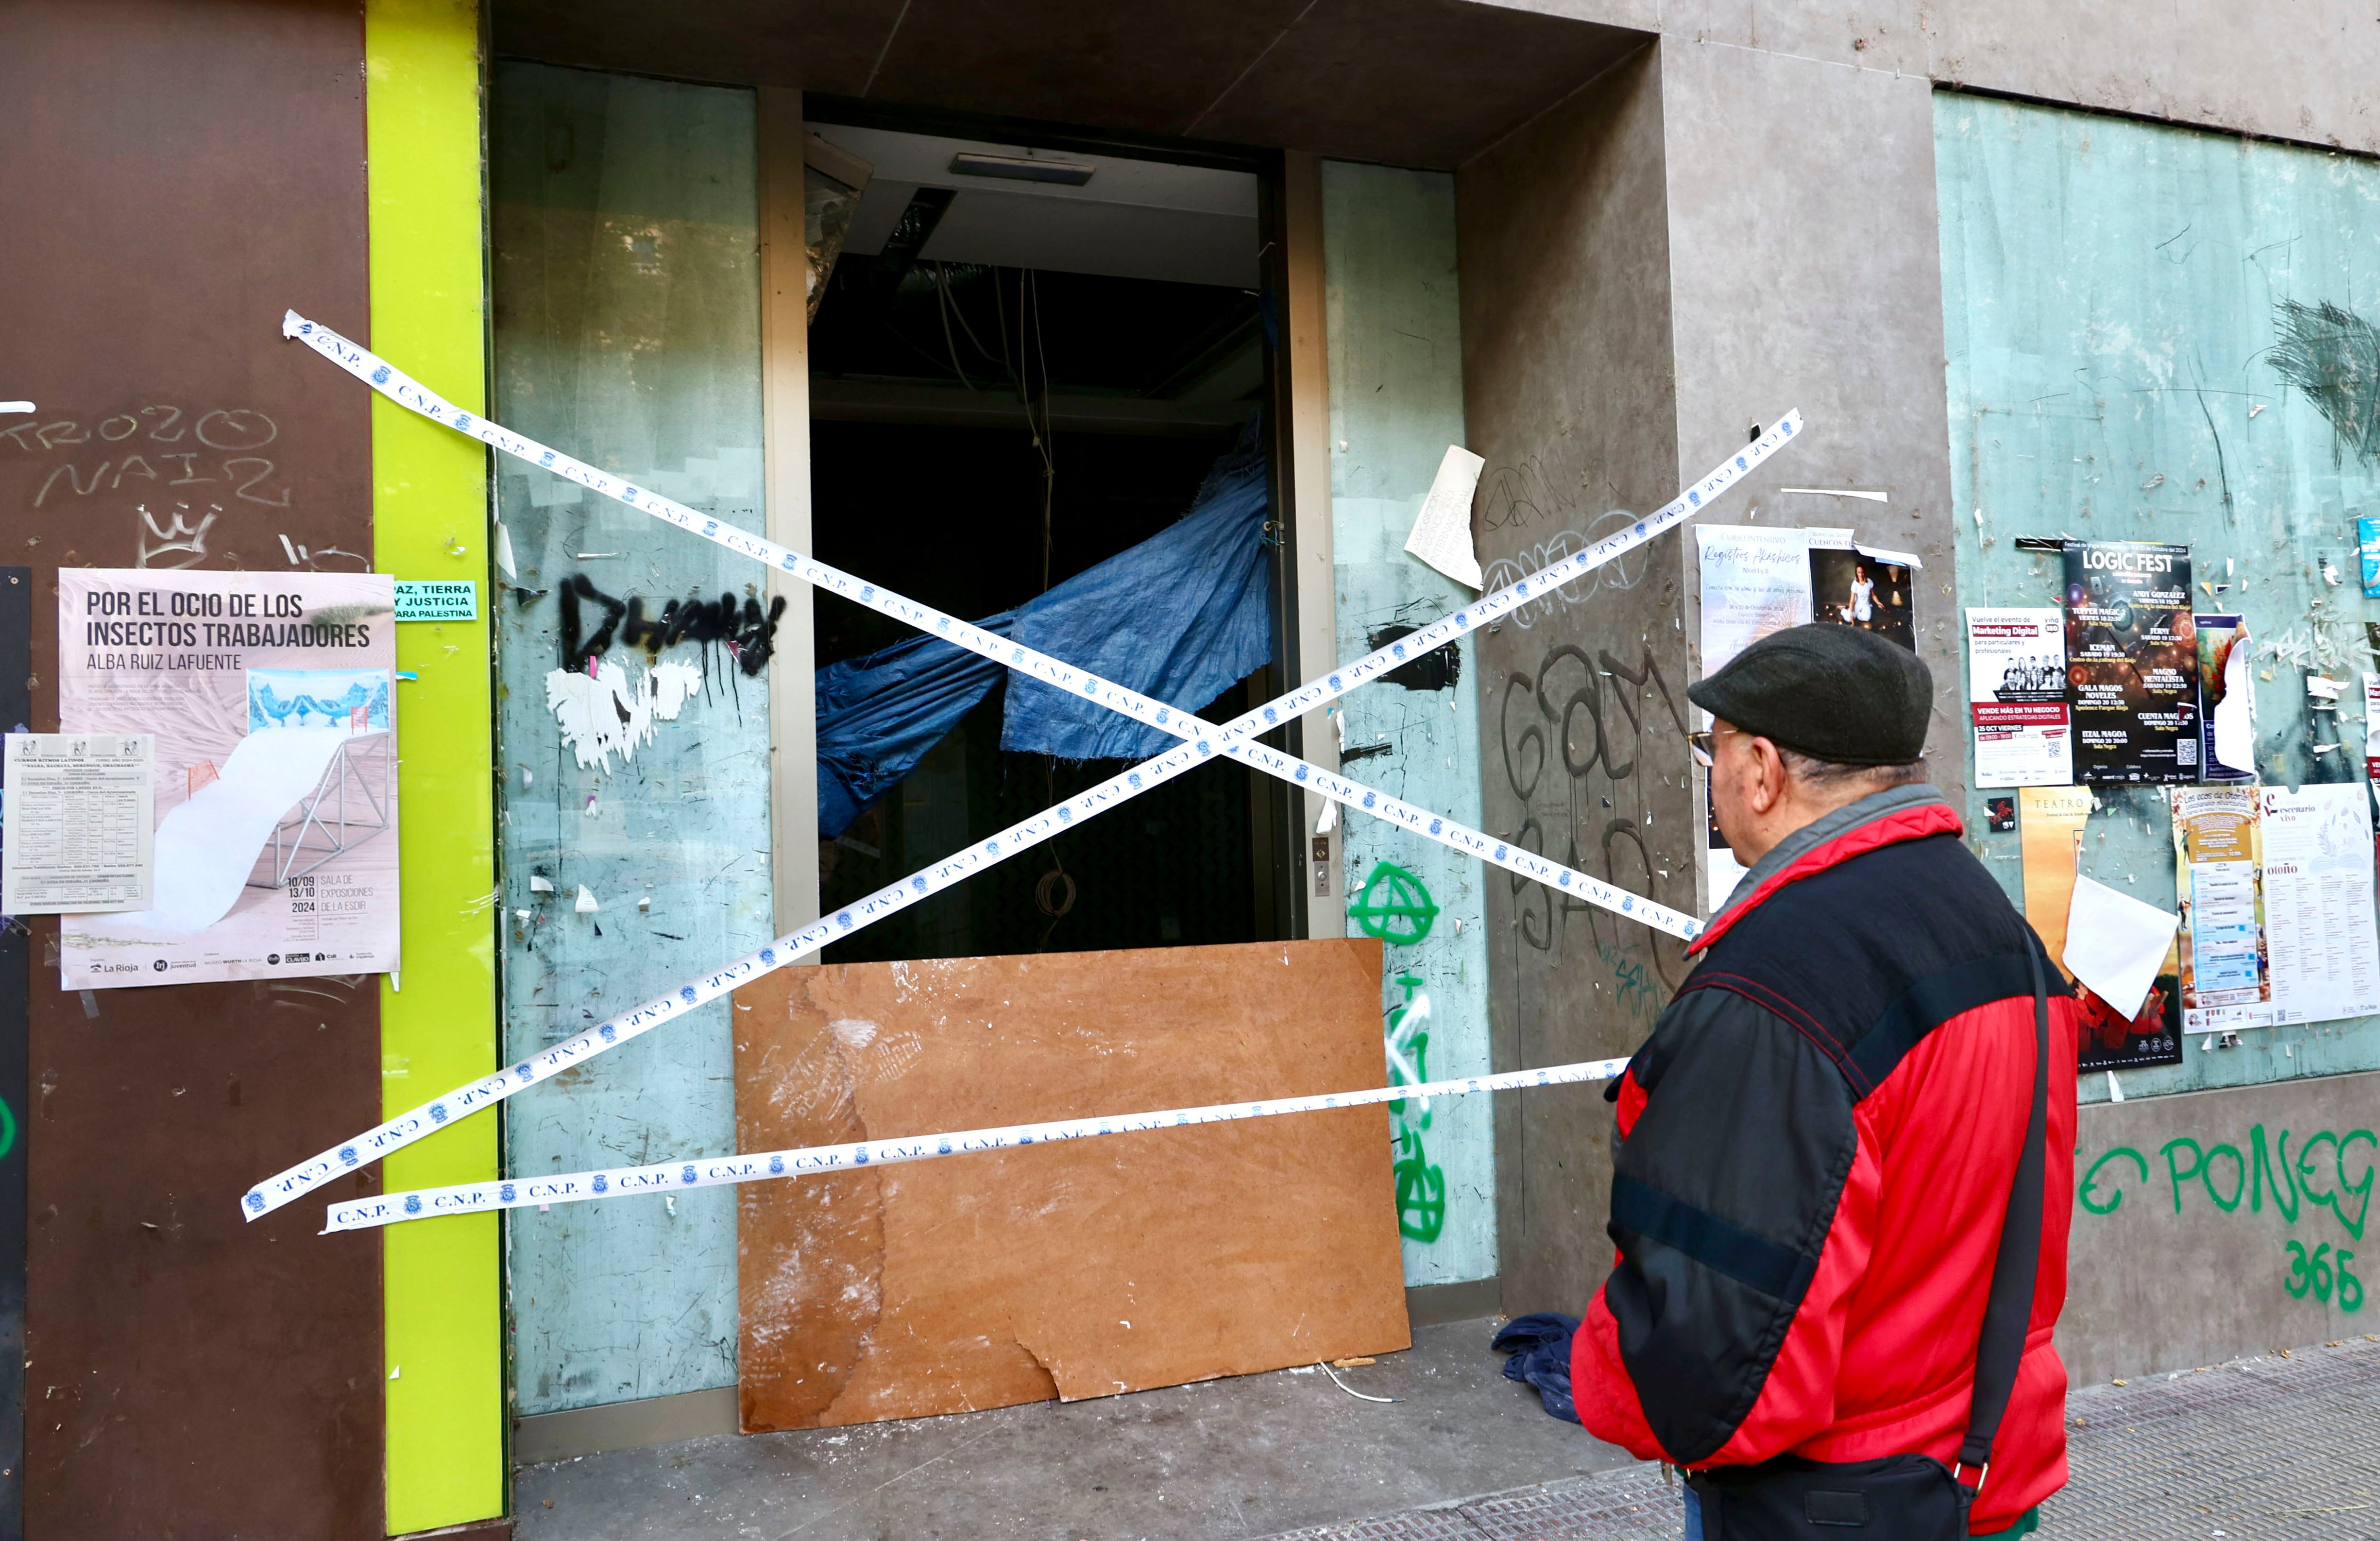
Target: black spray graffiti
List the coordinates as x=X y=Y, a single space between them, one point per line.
x=1432 y=670
x=1597 y=731
x=749 y=636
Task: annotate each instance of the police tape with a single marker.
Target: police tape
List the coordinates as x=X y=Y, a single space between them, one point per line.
x=716 y=1171
x=1203 y=741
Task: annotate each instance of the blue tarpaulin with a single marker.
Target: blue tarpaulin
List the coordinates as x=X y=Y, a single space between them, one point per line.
x=1181 y=617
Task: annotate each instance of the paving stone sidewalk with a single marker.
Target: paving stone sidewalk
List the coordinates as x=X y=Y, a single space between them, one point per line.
x=2284 y=1445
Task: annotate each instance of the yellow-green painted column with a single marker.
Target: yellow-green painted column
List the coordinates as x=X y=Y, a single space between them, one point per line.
x=430 y=500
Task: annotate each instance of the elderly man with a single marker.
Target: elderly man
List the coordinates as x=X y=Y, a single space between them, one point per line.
x=1843 y=1160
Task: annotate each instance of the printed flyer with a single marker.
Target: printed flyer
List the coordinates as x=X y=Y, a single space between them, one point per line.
x=1755 y=580
x=2226 y=976
x=1853 y=584
x=269 y=699
x=2226 y=701
x=2318 y=902
x=2131 y=656
x=2016 y=695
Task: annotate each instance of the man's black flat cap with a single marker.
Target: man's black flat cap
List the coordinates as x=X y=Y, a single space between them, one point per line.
x=1832 y=692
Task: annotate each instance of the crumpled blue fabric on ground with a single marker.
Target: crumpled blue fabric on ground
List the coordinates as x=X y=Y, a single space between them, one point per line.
x=1183 y=616
x=1538 y=1345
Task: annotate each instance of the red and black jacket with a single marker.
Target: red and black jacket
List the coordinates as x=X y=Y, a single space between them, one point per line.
x=1812 y=1163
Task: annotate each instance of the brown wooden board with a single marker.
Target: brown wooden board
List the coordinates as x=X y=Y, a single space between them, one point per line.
x=177 y=176
x=1070 y=1270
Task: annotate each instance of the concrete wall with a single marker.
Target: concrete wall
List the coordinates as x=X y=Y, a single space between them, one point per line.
x=1570 y=387
x=1394 y=331
x=2220 y=1223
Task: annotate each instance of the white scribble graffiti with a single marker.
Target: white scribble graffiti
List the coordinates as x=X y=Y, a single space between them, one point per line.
x=176 y=536
x=1626 y=573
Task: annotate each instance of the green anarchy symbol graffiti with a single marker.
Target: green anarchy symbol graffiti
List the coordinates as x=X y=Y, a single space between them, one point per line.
x=1395 y=906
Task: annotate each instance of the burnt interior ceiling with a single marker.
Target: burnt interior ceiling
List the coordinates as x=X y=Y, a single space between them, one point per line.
x=1424 y=83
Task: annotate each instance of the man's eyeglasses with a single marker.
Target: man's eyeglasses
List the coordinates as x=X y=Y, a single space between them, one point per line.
x=1701 y=745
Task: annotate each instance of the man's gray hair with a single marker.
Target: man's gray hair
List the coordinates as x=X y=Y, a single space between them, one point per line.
x=1827 y=774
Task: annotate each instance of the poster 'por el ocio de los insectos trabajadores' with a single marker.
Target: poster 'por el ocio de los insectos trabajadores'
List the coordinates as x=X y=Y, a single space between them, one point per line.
x=2131 y=662
x=270 y=696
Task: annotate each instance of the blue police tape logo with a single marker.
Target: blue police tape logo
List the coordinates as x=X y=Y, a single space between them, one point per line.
x=944 y=1148
x=463 y=421
x=1370 y=797
x=1521 y=587
x=776 y=1166
x=256 y=1202
x=685 y=1174
x=867 y=592
x=709 y=527
x=859 y=1157
x=991 y=847
x=1436 y=825
x=628 y=494
x=1091 y=688
x=1131 y=778
x=1205 y=747
x=788 y=563
x=438 y=1113
x=1396 y=650
x=504 y=1192
x=1499 y=853
x=1300 y=772
x=1640 y=530
x=1271 y=716
x=380 y=375
x=413 y=1204
x=600 y=1184
x=1693 y=500
x=944 y=624
x=1563 y=881
x=1024 y=1139
x=1462 y=618
x=768 y=954
x=1628 y=904
x=685 y=993
x=917 y=883
x=1739 y=465
x=525 y=1074
x=1161 y=717
x=346 y=1155
x=842 y=918
x=1065 y=815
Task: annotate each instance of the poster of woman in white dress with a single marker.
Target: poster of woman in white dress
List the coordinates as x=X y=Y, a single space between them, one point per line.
x=1857 y=589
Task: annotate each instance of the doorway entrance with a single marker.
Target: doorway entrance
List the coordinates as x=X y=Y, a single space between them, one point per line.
x=1029 y=366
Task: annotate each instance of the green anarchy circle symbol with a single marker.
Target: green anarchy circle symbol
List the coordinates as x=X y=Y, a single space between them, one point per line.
x=1394 y=906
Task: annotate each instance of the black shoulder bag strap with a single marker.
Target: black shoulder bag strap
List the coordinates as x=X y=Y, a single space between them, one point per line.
x=2010 y=1307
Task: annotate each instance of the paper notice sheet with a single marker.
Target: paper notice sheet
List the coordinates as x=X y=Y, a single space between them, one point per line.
x=2016 y=696
x=2318 y=894
x=78 y=835
x=1441 y=536
x=2226 y=982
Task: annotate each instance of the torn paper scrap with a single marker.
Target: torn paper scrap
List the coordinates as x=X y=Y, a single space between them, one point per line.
x=587 y=904
x=1442 y=537
x=603 y=714
x=2115 y=944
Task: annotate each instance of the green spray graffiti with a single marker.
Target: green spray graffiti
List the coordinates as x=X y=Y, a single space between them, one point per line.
x=1394 y=906
x=1421 y=1187
x=2230 y=1176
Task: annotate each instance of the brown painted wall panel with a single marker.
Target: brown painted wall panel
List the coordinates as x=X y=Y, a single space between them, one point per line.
x=177 y=174
x=1078 y=1270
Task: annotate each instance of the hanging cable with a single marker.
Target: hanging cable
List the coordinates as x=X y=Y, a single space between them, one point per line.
x=942 y=304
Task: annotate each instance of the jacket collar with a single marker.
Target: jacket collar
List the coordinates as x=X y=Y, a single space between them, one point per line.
x=1881 y=819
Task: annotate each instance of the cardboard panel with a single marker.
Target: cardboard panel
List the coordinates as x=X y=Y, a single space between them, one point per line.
x=1076 y=1270
x=177 y=176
